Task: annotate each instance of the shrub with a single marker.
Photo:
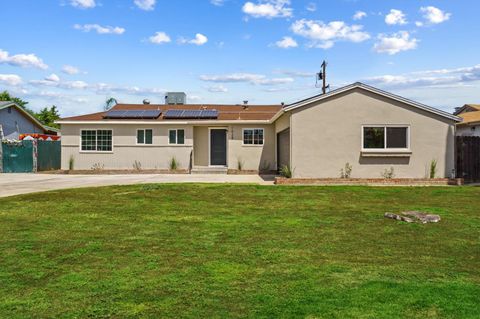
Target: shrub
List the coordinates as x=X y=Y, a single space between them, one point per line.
x=137 y=165
x=173 y=164
x=71 y=163
x=98 y=167
x=389 y=173
x=286 y=171
x=264 y=166
x=240 y=164
x=347 y=171
x=433 y=168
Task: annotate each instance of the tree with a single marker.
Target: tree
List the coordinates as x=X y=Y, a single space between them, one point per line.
x=5 y=96
x=48 y=116
x=109 y=103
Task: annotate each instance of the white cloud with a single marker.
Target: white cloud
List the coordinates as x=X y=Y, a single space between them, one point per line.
x=69 y=69
x=99 y=29
x=199 y=39
x=78 y=85
x=359 y=15
x=325 y=35
x=429 y=78
x=83 y=4
x=312 y=7
x=286 y=42
x=268 y=9
x=395 y=43
x=217 y=3
x=295 y=74
x=159 y=38
x=251 y=78
x=147 y=5
x=217 y=89
x=419 y=23
x=10 y=79
x=434 y=15
x=395 y=17
x=22 y=60
x=53 y=78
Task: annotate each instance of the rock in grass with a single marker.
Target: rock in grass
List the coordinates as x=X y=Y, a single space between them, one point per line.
x=414 y=216
x=399 y=217
x=423 y=217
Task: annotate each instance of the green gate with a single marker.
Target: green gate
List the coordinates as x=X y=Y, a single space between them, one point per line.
x=17 y=157
x=48 y=155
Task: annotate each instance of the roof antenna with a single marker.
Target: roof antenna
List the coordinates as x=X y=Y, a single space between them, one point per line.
x=322 y=76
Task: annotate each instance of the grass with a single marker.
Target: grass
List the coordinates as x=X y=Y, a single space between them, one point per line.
x=217 y=251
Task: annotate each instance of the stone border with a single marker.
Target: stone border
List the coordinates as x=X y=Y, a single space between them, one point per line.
x=370 y=181
x=116 y=171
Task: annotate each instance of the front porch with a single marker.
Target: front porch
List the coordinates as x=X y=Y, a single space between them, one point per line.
x=221 y=150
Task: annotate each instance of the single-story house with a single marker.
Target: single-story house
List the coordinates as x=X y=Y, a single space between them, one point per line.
x=14 y=121
x=368 y=128
x=470 y=125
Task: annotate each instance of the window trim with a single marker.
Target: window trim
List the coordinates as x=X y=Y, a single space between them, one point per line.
x=253 y=129
x=144 y=137
x=176 y=136
x=384 y=149
x=95 y=129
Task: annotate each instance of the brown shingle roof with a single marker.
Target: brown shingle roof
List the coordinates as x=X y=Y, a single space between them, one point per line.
x=225 y=112
x=470 y=117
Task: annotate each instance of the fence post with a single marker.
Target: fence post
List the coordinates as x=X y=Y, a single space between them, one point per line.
x=1 y=156
x=35 y=156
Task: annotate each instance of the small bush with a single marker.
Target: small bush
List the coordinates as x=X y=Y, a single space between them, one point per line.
x=98 y=167
x=240 y=164
x=173 y=164
x=286 y=171
x=71 y=163
x=137 y=165
x=347 y=171
x=389 y=173
x=433 y=168
x=264 y=166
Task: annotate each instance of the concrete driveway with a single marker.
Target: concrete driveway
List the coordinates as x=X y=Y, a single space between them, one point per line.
x=15 y=184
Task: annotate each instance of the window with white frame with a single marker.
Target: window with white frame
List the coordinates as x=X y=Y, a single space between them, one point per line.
x=176 y=136
x=385 y=137
x=253 y=136
x=145 y=136
x=96 y=140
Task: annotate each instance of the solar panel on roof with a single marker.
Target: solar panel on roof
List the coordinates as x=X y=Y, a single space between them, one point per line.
x=191 y=114
x=133 y=114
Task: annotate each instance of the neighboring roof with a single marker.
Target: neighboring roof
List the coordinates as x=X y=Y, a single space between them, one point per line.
x=467 y=108
x=6 y=104
x=359 y=85
x=470 y=118
x=225 y=112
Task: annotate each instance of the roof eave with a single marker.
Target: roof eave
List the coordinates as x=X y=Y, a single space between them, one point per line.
x=376 y=91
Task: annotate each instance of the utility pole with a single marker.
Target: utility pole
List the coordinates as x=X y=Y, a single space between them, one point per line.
x=322 y=75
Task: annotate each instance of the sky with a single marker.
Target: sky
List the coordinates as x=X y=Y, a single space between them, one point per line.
x=77 y=53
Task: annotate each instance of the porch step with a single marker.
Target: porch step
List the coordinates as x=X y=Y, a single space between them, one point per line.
x=209 y=170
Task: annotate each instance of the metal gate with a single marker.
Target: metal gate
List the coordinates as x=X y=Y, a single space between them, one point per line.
x=17 y=157
x=48 y=155
x=468 y=158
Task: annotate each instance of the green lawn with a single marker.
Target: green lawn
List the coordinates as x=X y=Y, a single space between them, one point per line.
x=217 y=251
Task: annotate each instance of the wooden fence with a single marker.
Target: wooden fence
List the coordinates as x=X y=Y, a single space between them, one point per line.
x=468 y=158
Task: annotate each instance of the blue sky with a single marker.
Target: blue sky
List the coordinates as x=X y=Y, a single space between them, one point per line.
x=77 y=53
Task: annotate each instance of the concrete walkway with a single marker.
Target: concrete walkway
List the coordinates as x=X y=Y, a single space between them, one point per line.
x=14 y=184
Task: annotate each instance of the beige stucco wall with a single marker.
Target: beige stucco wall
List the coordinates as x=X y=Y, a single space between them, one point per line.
x=200 y=145
x=125 y=151
x=253 y=157
x=282 y=123
x=327 y=135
